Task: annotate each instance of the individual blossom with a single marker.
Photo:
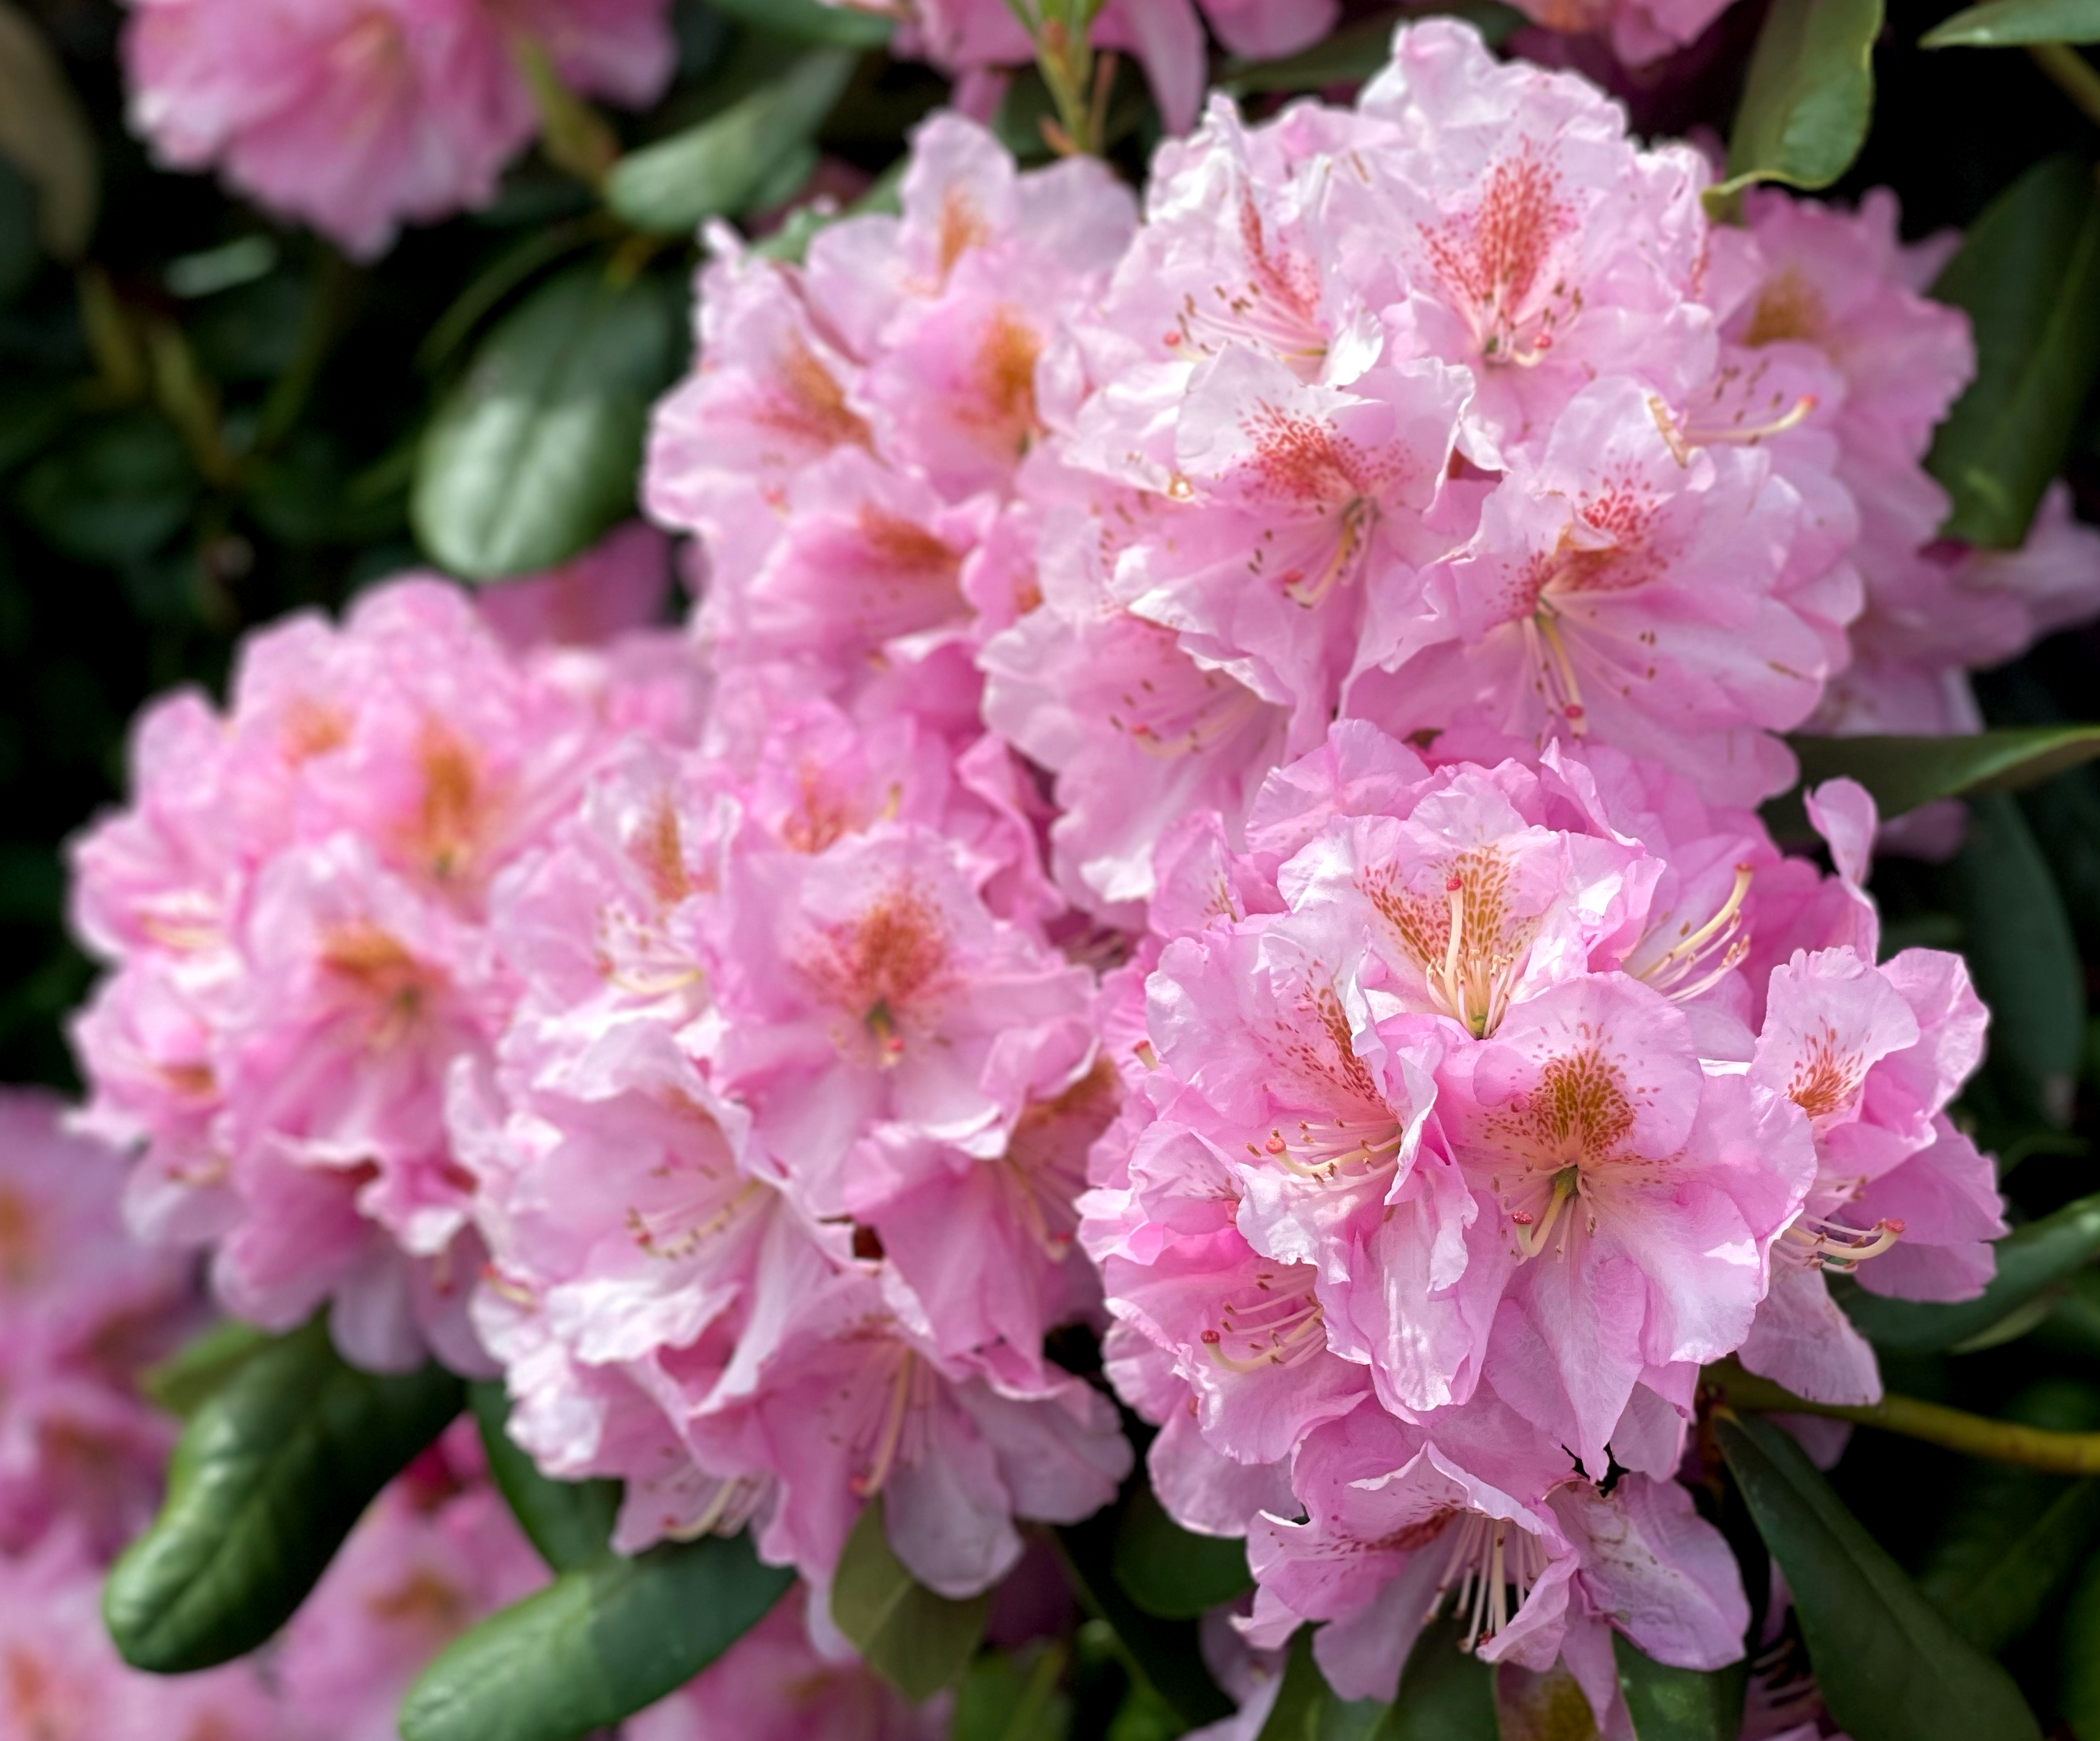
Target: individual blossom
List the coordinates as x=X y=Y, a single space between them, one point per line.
x=358 y=117
x=61 y=1680
x=1476 y=1514
x=83 y=1309
x=1873 y=1054
x=293 y=906
x=772 y=1684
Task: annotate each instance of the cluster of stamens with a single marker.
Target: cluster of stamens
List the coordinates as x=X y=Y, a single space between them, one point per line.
x=1488 y=1573
x=1280 y=1330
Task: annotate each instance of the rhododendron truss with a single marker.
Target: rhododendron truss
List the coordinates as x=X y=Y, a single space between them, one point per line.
x=1193 y=1061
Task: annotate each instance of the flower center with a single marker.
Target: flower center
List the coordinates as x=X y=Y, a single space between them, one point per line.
x=1491 y=1568
x=1276 y=1330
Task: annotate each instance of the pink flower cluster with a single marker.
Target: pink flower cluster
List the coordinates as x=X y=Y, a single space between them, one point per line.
x=295 y=907
x=358 y=115
x=1468 y=1118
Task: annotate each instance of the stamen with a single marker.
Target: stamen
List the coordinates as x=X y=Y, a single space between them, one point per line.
x=1278 y=1331
x=1694 y=948
x=1568 y=700
x=1489 y=1559
x=1532 y=1233
x=1822 y=1245
x=1680 y=439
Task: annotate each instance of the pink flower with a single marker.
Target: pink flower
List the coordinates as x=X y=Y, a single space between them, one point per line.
x=611 y=589
x=1872 y=1055
x=418 y=1569
x=63 y=1680
x=295 y=910
x=773 y=1685
x=357 y=117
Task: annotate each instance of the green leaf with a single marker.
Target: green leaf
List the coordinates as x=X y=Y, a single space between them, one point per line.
x=2013 y=1538
x=1446 y=1693
x=1889 y=1667
x=569 y=1521
x=2022 y=954
x=2006 y=23
x=2028 y=275
x=272 y=1472
x=533 y=456
x=200 y=1369
x=1548 y=1706
x=599 y=1643
x=1809 y=96
x=1904 y=772
x=2072 y=1324
x=1164 y=1653
x=791 y=241
x=1169 y=1572
x=2030 y=1259
x=1357 y=51
x=812 y=21
x=2078 y=1688
x=1679 y=1704
x=714 y=169
x=113 y=492
x=45 y=133
x=1009 y=1697
x=918 y=1642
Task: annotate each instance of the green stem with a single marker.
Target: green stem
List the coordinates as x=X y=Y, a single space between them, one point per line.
x=2073 y=74
x=1951 y=1428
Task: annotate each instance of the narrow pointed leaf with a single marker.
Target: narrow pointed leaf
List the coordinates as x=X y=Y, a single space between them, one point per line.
x=1904 y=772
x=1446 y=1693
x=272 y=1472
x=1165 y=1653
x=2014 y=1538
x=2078 y=1657
x=1168 y=1571
x=1890 y=1668
x=601 y=1642
x=1809 y=96
x=532 y=456
x=2030 y=1259
x=2006 y=23
x=2021 y=952
x=569 y=1521
x=1679 y=1704
x=714 y=169
x=918 y=1642
x=2028 y=275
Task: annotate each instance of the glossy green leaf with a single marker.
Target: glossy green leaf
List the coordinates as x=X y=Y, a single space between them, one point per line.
x=715 y=169
x=2006 y=23
x=1446 y=1693
x=2028 y=275
x=1358 y=51
x=2030 y=1259
x=1904 y=772
x=2018 y=941
x=533 y=455
x=2072 y=1324
x=2078 y=1656
x=599 y=1643
x=201 y=1367
x=569 y=1521
x=1808 y=97
x=1168 y=1571
x=272 y=1472
x=1890 y=1668
x=1164 y=1653
x=1013 y=1697
x=812 y=21
x=2013 y=1538
x=1679 y=1704
x=918 y=1642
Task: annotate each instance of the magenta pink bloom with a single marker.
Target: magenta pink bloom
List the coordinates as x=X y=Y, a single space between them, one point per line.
x=358 y=117
x=618 y=587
